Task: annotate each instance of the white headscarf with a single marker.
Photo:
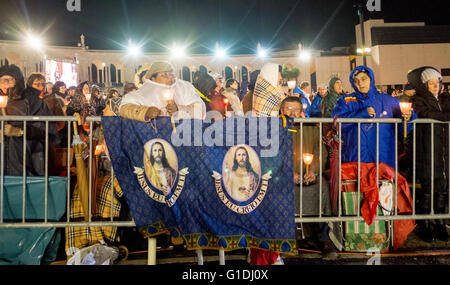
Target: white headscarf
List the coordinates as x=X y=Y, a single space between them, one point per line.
x=153 y=94
x=270 y=73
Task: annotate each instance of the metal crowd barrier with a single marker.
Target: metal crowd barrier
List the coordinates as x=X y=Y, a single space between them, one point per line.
x=152 y=241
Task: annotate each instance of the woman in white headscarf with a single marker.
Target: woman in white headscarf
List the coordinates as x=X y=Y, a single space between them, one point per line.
x=162 y=94
x=268 y=94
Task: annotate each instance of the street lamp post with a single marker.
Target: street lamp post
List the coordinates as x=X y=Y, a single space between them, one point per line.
x=361 y=23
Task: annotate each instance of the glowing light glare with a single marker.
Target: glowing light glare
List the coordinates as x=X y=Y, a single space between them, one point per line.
x=308 y=158
x=367 y=50
x=359 y=50
x=305 y=55
x=34 y=41
x=226 y=101
x=405 y=107
x=3 y=101
x=221 y=52
x=133 y=49
x=168 y=96
x=262 y=53
x=177 y=51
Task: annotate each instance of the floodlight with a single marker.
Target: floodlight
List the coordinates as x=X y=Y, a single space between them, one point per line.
x=177 y=51
x=305 y=55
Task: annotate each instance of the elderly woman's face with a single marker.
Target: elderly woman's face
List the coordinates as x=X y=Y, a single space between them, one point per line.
x=166 y=78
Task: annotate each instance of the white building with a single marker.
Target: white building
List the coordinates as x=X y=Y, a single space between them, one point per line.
x=396 y=48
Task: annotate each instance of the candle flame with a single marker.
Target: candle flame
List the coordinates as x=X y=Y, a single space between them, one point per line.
x=3 y=101
x=308 y=158
x=405 y=107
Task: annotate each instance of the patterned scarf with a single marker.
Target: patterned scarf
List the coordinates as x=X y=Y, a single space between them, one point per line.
x=266 y=99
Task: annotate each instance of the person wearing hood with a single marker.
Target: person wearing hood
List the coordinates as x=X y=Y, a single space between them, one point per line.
x=431 y=103
x=268 y=93
x=205 y=86
x=315 y=109
x=366 y=102
x=24 y=102
x=163 y=94
x=335 y=91
x=304 y=92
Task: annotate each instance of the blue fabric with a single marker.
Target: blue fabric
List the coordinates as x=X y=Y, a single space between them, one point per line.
x=199 y=213
x=355 y=106
x=314 y=110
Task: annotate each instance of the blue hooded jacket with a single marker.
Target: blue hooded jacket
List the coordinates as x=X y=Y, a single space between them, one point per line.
x=355 y=106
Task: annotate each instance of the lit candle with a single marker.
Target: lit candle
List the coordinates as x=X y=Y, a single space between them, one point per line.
x=405 y=108
x=307 y=159
x=226 y=101
x=168 y=96
x=3 y=104
x=98 y=150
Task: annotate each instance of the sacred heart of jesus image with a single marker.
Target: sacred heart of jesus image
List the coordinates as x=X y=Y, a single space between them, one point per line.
x=161 y=165
x=241 y=171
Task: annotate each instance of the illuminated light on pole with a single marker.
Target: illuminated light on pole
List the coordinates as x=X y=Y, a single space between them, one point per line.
x=220 y=52
x=34 y=41
x=177 y=51
x=262 y=53
x=132 y=49
x=367 y=50
x=305 y=55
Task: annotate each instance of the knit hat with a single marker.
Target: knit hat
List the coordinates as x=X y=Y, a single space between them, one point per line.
x=430 y=73
x=159 y=66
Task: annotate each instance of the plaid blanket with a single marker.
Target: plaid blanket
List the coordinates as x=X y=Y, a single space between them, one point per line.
x=80 y=237
x=266 y=99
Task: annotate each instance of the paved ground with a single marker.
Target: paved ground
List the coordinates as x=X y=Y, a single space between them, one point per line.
x=413 y=252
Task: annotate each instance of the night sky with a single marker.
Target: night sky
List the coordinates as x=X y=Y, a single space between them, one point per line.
x=236 y=24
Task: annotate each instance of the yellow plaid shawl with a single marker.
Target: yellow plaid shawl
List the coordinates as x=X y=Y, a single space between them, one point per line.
x=80 y=237
x=266 y=98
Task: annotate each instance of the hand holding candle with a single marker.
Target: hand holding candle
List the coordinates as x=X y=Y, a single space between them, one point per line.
x=406 y=109
x=171 y=107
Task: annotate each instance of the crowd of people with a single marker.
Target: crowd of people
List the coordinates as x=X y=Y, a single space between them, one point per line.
x=264 y=95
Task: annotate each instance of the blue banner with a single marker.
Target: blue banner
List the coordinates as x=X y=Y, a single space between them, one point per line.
x=224 y=184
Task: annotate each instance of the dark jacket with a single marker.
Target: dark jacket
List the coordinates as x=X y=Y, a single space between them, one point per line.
x=429 y=107
x=29 y=104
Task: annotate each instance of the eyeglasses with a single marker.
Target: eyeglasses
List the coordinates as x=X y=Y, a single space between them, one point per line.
x=7 y=80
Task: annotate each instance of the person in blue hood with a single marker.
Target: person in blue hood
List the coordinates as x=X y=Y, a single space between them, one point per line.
x=366 y=102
